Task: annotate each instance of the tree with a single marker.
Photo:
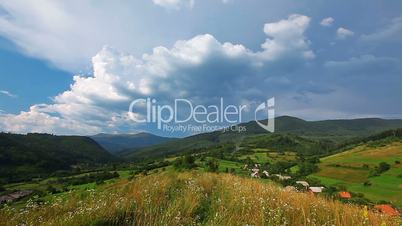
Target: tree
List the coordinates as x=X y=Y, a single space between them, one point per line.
x=306 y=168
x=186 y=162
x=212 y=165
x=189 y=162
x=51 y=189
x=383 y=166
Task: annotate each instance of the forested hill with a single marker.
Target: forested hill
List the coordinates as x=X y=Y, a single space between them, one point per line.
x=38 y=154
x=335 y=129
x=324 y=135
x=118 y=142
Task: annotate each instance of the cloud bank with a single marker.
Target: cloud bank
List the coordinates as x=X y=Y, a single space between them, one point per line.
x=200 y=69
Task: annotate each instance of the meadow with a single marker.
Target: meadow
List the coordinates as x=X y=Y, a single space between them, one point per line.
x=190 y=198
x=352 y=169
x=265 y=156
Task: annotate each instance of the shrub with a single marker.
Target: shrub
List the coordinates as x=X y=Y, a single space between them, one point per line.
x=367 y=183
x=383 y=166
x=212 y=165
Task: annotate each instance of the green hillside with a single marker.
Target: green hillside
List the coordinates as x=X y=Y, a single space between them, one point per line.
x=310 y=137
x=337 y=130
x=357 y=169
x=26 y=156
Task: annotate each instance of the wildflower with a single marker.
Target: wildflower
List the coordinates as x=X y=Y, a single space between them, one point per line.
x=365 y=212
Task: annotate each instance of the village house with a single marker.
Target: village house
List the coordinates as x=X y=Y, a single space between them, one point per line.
x=316 y=189
x=265 y=173
x=15 y=196
x=345 y=195
x=283 y=177
x=255 y=173
x=304 y=183
x=387 y=209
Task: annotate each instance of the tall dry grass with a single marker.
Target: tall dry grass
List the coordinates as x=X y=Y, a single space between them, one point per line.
x=192 y=198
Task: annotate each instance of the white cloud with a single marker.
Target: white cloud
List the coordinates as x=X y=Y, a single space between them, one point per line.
x=327 y=22
x=7 y=93
x=178 y=4
x=365 y=65
x=69 y=33
x=174 y=4
x=37 y=121
x=392 y=31
x=343 y=33
x=201 y=69
x=288 y=38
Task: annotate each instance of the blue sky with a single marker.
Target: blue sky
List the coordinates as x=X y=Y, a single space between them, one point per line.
x=73 y=67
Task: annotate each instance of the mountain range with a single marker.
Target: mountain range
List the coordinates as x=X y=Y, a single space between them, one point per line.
x=115 y=143
x=37 y=154
x=331 y=132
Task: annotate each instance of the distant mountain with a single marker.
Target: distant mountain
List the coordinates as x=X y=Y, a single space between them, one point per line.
x=337 y=130
x=41 y=154
x=118 y=142
x=327 y=133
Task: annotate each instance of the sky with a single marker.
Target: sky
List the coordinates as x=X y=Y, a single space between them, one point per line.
x=73 y=67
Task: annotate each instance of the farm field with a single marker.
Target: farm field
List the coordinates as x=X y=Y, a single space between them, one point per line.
x=352 y=169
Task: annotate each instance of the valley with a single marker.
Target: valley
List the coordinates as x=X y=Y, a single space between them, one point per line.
x=366 y=167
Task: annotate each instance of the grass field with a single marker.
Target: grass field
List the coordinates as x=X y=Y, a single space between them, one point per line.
x=191 y=198
x=352 y=168
x=264 y=156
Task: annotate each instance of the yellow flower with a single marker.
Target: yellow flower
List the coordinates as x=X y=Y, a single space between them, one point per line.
x=365 y=212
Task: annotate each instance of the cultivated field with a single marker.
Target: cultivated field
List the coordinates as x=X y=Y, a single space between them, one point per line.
x=352 y=169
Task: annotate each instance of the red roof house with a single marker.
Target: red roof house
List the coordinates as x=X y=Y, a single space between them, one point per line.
x=345 y=195
x=387 y=209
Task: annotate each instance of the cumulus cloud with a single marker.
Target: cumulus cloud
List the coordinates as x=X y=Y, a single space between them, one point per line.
x=37 y=121
x=201 y=69
x=327 y=22
x=287 y=38
x=7 y=93
x=343 y=33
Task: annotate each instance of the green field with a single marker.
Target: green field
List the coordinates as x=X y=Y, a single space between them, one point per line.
x=264 y=156
x=352 y=168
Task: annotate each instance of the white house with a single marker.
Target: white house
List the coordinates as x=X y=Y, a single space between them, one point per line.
x=255 y=175
x=316 y=189
x=283 y=177
x=302 y=182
